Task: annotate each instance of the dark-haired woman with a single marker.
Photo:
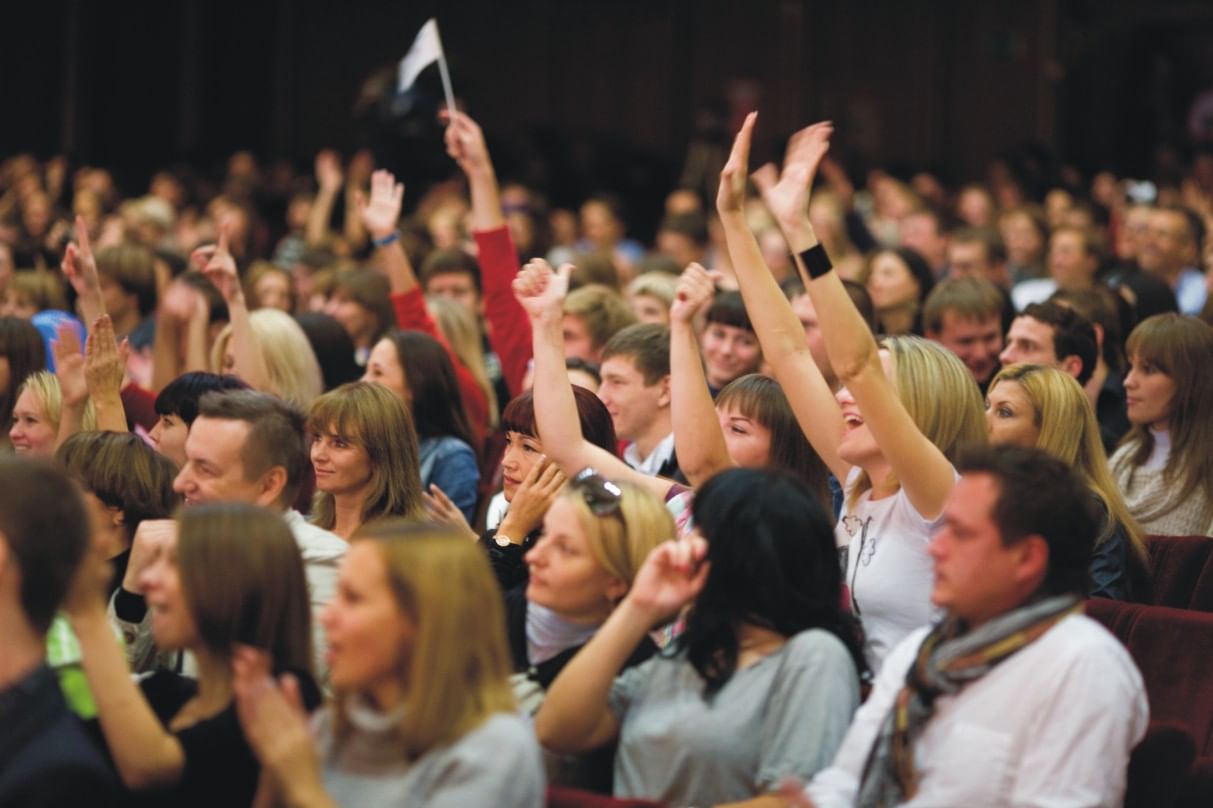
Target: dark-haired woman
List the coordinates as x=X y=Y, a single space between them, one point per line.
x=418 y=369
x=762 y=683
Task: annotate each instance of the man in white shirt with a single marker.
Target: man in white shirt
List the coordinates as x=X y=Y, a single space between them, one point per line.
x=244 y=446
x=1015 y=697
x=636 y=391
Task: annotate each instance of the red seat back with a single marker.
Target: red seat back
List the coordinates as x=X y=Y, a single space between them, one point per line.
x=1182 y=571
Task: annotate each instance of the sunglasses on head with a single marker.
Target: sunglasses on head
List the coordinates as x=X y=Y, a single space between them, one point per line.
x=602 y=495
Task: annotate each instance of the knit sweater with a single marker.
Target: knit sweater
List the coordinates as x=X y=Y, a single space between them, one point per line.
x=1152 y=500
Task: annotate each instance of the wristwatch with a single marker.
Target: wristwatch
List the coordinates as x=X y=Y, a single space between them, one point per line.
x=503 y=540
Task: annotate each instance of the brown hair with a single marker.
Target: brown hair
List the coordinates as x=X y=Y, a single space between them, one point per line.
x=602 y=309
x=647 y=345
x=275 y=436
x=969 y=298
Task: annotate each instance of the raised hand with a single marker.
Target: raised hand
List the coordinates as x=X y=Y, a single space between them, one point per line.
x=328 y=170
x=69 y=365
x=540 y=290
x=104 y=360
x=730 y=196
x=80 y=267
x=696 y=288
x=670 y=578
x=216 y=262
x=441 y=510
x=381 y=216
x=465 y=144
x=532 y=499
x=787 y=194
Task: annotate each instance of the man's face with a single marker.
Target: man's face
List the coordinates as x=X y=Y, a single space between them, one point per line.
x=807 y=314
x=1030 y=340
x=976 y=341
x=214 y=468
x=968 y=259
x=578 y=344
x=1069 y=262
x=459 y=287
x=681 y=248
x=633 y=405
x=1168 y=245
x=976 y=577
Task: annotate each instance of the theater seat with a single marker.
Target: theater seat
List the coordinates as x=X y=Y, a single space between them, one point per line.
x=1173 y=648
x=560 y=797
x=1158 y=769
x=1181 y=571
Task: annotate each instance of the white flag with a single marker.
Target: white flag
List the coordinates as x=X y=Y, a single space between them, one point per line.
x=427 y=49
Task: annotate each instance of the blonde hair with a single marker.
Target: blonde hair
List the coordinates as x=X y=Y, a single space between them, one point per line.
x=458 y=668
x=939 y=394
x=620 y=542
x=1068 y=431
x=371 y=416
x=44 y=386
x=463 y=335
x=659 y=285
x=294 y=372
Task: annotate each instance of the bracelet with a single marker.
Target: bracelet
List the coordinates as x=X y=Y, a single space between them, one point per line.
x=816 y=261
x=380 y=243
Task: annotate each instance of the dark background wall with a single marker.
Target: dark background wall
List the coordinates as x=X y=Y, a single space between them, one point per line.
x=945 y=84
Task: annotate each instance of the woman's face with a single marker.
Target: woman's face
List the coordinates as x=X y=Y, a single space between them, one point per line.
x=1010 y=416
x=383 y=367
x=649 y=309
x=1149 y=393
x=891 y=283
x=342 y=466
x=32 y=432
x=728 y=353
x=748 y=442
x=564 y=574
x=273 y=291
x=173 y=623
x=168 y=437
x=357 y=320
x=858 y=447
x=370 y=640
x=521 y=453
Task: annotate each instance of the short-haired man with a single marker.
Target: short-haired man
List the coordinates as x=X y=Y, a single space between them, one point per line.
x=1014 y=697
x=1051 y=334
x=592 y=315
x=636 y=391
x=806 y=312
x=964 y=315
x=244 y=446
x=45 y=756
x=1171 y=251
x=1073 y=259
x=978 y=252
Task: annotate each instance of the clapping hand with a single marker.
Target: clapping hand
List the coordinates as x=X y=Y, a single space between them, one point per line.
x=786 y=194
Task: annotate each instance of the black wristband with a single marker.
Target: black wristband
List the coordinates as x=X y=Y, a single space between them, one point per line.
x=816 y=261
x=129 y=607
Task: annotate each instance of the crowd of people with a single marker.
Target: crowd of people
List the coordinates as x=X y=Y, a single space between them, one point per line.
x=797 y=506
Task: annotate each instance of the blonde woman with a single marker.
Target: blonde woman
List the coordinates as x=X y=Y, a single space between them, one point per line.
x=463 y=335
x=37 y=415
x=422 y=712
x=291 y=370
x=1042 y=407
x=364 y=451
x=892 y=432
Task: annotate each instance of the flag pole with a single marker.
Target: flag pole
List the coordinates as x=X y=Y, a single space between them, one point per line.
x=446 y=76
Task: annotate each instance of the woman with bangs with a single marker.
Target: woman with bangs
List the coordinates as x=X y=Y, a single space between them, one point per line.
x=422 y=712
x=1164 y=466
x=1042 y=407
x=890 y=434
x=364 y=452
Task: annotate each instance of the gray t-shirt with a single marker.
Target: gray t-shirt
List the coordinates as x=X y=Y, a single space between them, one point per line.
x=498 y=764
x=783 y=716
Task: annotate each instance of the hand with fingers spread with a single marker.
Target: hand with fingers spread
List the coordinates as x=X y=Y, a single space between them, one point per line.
x=69 y=366
x=328 y=171
x=217 y=263
x=696 y=288
x=104 y=371
x=275 y=724
x=532 y=499
x=786 y=194
x=381 y=215
x=730 y=196
x=670 y=578
x=541 y=291
x=441 y=510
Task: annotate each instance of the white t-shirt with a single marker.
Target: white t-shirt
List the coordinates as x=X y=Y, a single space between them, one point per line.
x=888 y=574
x=1052 y=725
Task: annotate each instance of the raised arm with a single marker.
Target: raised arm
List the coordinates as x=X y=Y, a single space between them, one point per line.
x=576 y=714
x=924 y=472
x=80 y=267
x=702 y=451
x=509 y=330
x=73 y=390
x=220 y=268
x=541 y=293
x=104 y=366
x=778 y=328
x=328 y=179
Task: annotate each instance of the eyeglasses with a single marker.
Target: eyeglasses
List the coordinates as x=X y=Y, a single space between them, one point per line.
x=602 y=495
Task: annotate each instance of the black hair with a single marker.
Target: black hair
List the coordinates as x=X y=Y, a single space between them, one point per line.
x=596 y=424
x=1073 y=334
x=773 y=564
x=333 y=347
x=180 y=396
x=438 y=409
x=727 y=308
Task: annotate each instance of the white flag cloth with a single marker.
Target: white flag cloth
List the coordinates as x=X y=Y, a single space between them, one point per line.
x=427 y=49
